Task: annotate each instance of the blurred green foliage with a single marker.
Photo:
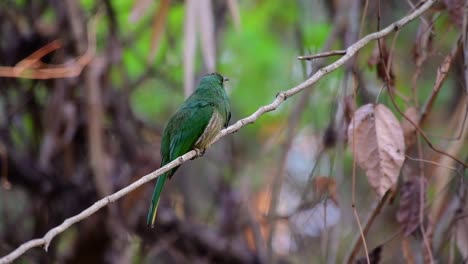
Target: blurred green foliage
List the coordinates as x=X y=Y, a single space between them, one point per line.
x=259 y=61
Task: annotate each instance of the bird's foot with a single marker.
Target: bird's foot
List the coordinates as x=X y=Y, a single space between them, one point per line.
x=200 y=152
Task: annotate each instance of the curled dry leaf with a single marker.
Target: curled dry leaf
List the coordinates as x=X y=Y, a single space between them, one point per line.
x=336 y=130
x=381 y=60
x=379 y=146
x=410 y=204
x=159 y=25
x=409 y=131
x=349 y=107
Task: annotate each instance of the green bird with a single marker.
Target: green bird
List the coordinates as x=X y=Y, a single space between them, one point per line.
x=195 y=124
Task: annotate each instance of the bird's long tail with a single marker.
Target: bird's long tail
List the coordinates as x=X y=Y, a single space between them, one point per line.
x=155 y=200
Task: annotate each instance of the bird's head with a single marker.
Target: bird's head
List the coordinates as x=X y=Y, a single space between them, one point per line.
x=214 y=78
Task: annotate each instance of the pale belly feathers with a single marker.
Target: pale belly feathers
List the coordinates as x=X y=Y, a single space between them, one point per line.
x=215 y=125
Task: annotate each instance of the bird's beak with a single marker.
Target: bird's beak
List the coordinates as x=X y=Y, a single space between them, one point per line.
x=225 y=79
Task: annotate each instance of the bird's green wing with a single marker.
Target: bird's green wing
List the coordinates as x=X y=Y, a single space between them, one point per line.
x=188 y=125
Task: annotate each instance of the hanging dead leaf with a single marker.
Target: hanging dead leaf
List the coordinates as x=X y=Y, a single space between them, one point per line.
x=410 y=204
x=381 y=60
x=409 y=131
x=159 y=25
x=379 y=146
x=349 y=107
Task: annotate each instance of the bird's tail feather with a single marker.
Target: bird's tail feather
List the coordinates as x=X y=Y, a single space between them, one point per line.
x=155 y=200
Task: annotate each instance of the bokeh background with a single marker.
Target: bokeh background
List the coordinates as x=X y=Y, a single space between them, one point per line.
x=279 y=190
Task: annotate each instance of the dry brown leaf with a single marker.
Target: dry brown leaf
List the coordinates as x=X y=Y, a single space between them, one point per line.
x=381 y=60
x=325 y=185
x=409 y=131
x=379 y=145
x=159 y=25
x=410 y=205
x=329 y=136
x=349 y=108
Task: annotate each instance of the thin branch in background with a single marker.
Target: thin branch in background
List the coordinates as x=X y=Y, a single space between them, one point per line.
x=32 y=68
x=281 y=97
x=33 y=60
x=431 y=162
x=322 y=55
x=428 y=255
x=459 y=133
x=367 y=225
x=363 y=18
x=353 y=193
x=442 y=73
x=428 y=142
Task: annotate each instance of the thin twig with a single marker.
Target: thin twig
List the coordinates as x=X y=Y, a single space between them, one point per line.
x=367 y=225
x=442 y=73
x=362 y=235
x=322 y=55
x=32 y=68
x=281 y=97
x=31 y=60
x=423 y=135
x=363 y=18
